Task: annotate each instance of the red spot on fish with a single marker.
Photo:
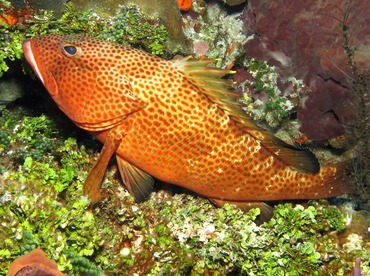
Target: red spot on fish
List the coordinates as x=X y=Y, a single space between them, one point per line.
x=175 y=121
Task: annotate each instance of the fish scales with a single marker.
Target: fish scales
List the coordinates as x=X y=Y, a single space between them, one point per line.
x=173 y=120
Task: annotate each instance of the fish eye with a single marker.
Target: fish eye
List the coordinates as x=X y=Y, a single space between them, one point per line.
x=69 y=50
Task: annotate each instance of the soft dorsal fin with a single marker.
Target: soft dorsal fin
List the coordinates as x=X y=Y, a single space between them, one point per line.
x=139 y=183
x=208 y=80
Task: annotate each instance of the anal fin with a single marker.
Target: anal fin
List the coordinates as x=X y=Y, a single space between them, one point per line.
x=265 y=209
x=139 y=183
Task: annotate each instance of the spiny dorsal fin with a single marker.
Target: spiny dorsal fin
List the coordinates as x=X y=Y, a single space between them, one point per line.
x=208 y=80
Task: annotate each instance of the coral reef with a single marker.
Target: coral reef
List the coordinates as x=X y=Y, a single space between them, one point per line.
x=287 y=36
x=332 y=61
x=44 y=160
x=42 y=206
x=165 y=12
x=129 y=25
x=222 y=39
x=262 y=97
x=57 y=6
x=359 y=131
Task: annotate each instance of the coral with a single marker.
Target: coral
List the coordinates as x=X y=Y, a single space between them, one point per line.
x=129 y=26
x=227 y=240
x=42 y=206
x=168 y=12
x=222 y=39
x=286 y=36
x=332 y=98
x=32 y=214
x=35 y=262
x=57 y=7
x=43 y=163
x=358 y=132
x=10 y=16
x=323 y=114
x=262 y=96
x=11 y=45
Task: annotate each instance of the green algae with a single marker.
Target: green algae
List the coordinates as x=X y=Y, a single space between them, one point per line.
x=11 y=45
x=33 y=212
x=42 y=205
x=129 y=26
x=220 y=33
x=276 y=108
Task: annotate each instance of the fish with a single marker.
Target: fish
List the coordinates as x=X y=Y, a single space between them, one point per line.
x=176 y=121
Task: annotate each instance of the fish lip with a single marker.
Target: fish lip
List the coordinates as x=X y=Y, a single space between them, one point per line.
x=27 y=49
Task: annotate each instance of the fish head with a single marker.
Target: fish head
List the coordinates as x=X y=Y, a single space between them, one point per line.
x=85 y=77
x=39 y=53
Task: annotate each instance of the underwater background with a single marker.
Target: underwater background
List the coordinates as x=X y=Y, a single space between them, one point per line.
x=302 y=69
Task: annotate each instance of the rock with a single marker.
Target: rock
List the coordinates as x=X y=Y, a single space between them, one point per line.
x=166 y=10
x=233 y=2
x=305 y=40
x=10 y=90
x=57 y=6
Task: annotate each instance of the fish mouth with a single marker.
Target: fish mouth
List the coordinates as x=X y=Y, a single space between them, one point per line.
x=27 y=49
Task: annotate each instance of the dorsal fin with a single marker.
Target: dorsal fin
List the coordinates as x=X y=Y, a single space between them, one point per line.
x=208 y=80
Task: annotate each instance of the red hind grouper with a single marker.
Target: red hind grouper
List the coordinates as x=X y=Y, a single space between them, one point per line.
x=172 y=120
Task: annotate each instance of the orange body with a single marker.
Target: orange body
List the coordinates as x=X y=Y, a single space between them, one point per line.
x=171 y=120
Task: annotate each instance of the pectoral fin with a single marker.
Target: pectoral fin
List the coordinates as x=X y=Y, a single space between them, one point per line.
x=139 y=183
x=96 y=175
x=94 y=179
x=265 y=209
